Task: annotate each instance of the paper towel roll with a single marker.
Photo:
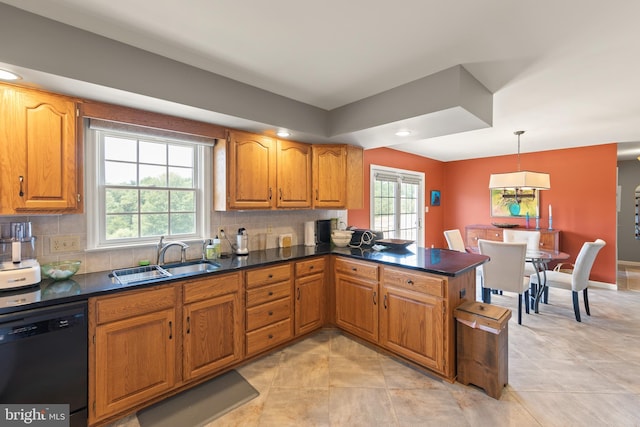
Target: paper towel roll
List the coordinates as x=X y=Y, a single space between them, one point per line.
x=310 y=233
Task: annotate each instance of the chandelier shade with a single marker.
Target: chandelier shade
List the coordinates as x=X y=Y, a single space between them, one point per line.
x=522 y=179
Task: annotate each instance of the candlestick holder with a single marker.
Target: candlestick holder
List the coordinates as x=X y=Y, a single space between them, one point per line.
x=537 y=223
x=550 y=223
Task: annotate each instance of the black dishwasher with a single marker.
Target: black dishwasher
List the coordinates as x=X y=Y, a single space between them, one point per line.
x=43 y=357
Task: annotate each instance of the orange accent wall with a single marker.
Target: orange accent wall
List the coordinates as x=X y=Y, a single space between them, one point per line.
x=583 y=195
x=433 y=171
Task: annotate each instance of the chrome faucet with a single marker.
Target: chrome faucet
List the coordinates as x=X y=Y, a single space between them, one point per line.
x=162 y=248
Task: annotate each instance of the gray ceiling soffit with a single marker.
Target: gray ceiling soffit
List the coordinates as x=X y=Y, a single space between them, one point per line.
x=452 y=94
x=449 y=101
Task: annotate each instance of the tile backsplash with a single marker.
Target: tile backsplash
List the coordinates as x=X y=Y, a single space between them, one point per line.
x=270 y=224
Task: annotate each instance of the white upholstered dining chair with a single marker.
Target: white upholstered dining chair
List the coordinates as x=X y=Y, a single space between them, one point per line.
x=505 y=269
x=576 y=281
x=531 y=238
x=454 y=240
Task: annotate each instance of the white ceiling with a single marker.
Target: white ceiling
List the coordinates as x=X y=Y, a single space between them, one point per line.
x=566 y=72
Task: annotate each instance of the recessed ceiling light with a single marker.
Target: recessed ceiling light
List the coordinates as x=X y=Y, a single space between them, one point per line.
x=283 y=133
x=403 y=133
x=8 y=75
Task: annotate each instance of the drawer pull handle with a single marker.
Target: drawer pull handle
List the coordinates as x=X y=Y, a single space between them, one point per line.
x=271 y=313
x=170 y=329
x=375 y=302
x=270 y=293
x=311 y=268
x=298 y=297
x=270 y=336
x=188 y=324
x=21 y=179
x=271 y=276
x=385 y=301
x=354 y=269
x=410 y=282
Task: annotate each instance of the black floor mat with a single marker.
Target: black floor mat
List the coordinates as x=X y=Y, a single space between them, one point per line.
x=201 y=404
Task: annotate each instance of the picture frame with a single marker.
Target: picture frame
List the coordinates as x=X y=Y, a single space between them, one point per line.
x=435 y=197
x=512 y=203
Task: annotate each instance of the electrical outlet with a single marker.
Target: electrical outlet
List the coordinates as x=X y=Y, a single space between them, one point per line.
x=64 y=244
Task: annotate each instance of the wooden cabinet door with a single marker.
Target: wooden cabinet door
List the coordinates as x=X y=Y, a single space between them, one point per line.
x=309 y=303
x=412 y=326
x=357 y=306
x=329 y=176
x=135 y=360
x=213 y=335
x=251 y=171
x=44 y=153
x=293 y=175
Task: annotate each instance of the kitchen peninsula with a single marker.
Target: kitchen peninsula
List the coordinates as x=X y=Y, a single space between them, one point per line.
x=401 y=302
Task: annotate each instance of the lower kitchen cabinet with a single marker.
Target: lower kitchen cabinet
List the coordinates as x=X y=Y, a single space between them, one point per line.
x=356 y=289
x=411 y=320
x=309 y=295
x=213 y=322
x=132 y=349
x=269 y=312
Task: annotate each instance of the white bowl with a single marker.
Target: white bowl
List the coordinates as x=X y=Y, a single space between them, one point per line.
x=341 y=242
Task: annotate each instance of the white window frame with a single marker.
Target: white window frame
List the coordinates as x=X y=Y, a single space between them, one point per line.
x=94 y=185
x=400 y=174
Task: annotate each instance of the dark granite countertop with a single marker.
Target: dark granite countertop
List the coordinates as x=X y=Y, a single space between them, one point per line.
x=82 y=286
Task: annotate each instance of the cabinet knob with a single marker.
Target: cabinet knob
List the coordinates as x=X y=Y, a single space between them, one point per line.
x=270 y=336
x=270 y=293
x=410 y=282
x=271 y=276
x=271 y=313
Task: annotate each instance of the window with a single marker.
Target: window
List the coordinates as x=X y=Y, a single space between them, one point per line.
x=397 y=197
x=145 y=184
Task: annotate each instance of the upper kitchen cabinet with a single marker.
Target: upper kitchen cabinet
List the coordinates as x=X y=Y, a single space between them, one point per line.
x=41 y=169
x=338 y=176
x=244 y=172
x=258 y=172
x=293 y=175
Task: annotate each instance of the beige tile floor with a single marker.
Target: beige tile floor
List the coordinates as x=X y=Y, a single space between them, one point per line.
x=561 y=373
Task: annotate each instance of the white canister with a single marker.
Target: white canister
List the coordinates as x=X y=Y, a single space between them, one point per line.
x=310 y=233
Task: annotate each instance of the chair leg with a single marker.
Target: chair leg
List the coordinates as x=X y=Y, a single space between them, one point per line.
x=576 y=307
x=586 y=301
x=519 y=309
x=526 y=301
x=486 y=295
x=546 y=295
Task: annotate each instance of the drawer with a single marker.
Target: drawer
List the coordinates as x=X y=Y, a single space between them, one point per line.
x=362 y=270
x=494 y=234
x=210 y=287
x=269 y=336
x=424 y=283
x=312 y=266
x=109 y=309
x=266 y=314
x=473 y=234
x=268 y=293
x=264 y=276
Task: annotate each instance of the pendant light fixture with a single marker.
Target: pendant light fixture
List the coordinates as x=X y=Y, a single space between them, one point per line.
x=520 y=180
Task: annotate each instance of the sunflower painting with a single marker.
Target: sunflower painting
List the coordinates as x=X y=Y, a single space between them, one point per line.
x=510 y=203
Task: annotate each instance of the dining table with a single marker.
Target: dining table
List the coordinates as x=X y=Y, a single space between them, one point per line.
x=540 y=260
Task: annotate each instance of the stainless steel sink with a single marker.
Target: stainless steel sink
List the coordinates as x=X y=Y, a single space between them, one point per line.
x=147 y=273
x=151 y=273
x=191 y=268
